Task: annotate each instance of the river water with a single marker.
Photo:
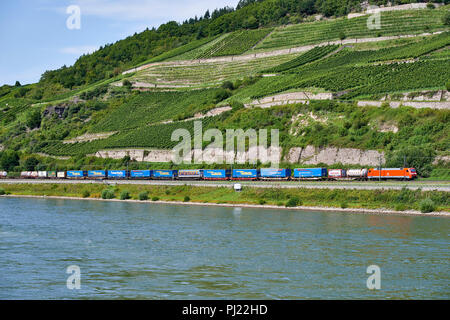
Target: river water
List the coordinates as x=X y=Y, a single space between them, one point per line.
x=156 y=251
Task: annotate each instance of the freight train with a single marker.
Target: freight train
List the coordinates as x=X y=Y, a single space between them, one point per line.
x=226 y=174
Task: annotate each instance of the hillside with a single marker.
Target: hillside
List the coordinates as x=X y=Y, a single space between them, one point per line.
x=340 y=94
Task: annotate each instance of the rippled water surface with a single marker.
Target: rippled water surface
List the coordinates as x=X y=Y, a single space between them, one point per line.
x=155 y=251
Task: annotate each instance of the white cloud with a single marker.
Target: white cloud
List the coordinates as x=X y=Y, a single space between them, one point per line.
x=78 y=50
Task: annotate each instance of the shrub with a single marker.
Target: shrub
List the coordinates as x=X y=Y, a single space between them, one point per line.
x=430 y=5
x=293 y=202
x=342 y=35
x=280 y=204
x=227 y=85
x=446 y=19
x=127 y=84
x=399 y=207
x=186 y=199
x=2 y=191
x=86 y=194
x=108 y=194
x=168 y=192
x=221 y=95
x=125 y=195
x=427 y=205
x=262 y=202
x=344 y=205
x=155 y=199
x=143 y=196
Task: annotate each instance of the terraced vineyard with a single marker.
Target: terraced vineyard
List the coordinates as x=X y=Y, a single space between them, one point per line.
x=200 y=51
x=152 y=107
x=192 y=74
x=237 y=43
x=156 y=136
x=11 y=108
x=392 y=23
x=307 y=57
x=182 y=50
x=364 y=72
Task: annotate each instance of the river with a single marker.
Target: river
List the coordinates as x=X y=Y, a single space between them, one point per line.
x=156 y=251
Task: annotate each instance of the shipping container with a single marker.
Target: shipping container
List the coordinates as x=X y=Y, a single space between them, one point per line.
x=61 y=174
x=311 y=173
x=140 y=174
x=51 y=174
x=25 y=174
x=42 y=174
x=245 y=174
x=96 y=174
x=277 y=174
x=3 y=174
x=337 y=174
x=358 y=174
x=76 y=174
x=117 y=174
x=190 y=174
x=392 y=173
x=164 y=174
x=219 y=174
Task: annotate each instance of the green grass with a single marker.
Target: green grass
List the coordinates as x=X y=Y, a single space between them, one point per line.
x=353 y=199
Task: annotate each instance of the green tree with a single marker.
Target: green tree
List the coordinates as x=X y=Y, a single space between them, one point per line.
x=9 y=159
x=30 y=163
x=446 y=19
x=251 y=23
x=34 y=119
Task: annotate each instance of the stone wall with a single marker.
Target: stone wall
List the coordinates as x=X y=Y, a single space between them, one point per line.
x=289 y=98
x=332 y=155
x=307 y=155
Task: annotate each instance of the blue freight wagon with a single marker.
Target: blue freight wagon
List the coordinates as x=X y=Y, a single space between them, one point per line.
x=220 y=174
x=117 y=174
x=276 y=174
x=245 y=174
x=140 y=174
x=76 y=174
x=311 y=173
x=164 y=174
x=96 y=174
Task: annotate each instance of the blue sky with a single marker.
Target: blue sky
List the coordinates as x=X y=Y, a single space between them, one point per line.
x=35 y=38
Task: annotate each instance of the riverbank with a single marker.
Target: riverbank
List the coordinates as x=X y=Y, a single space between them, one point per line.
x=300 y=208
x=405 y=201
